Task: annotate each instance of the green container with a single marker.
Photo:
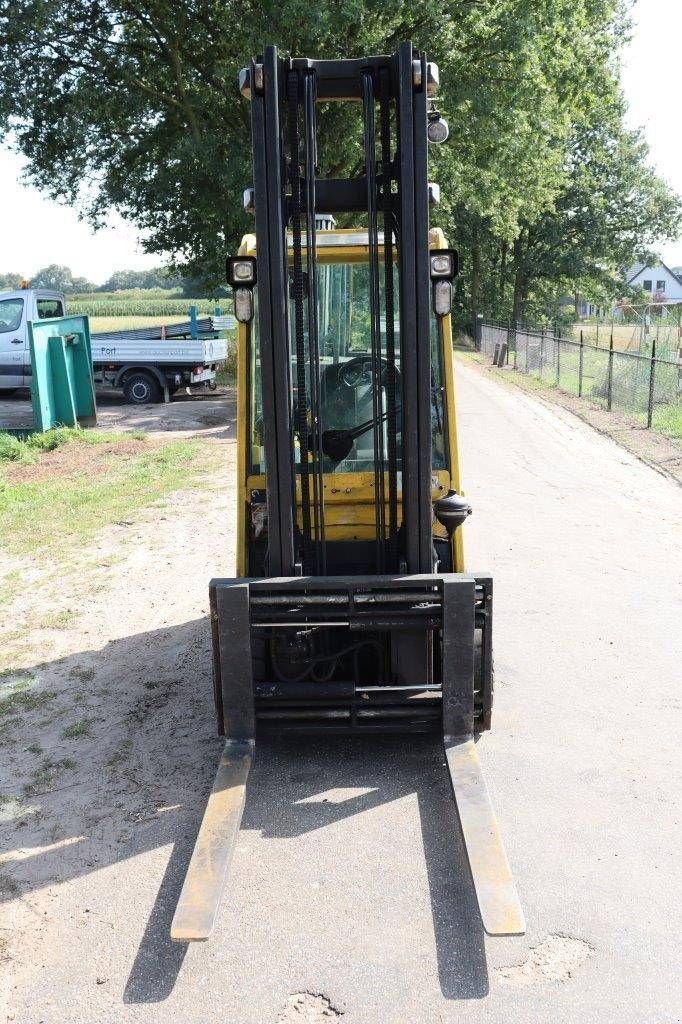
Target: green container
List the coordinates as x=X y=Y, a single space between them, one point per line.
x=62 y=385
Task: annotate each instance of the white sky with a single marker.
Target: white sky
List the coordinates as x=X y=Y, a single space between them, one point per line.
x=39 y=231
x=651 y=85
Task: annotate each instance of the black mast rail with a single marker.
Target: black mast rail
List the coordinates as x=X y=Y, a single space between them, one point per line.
x=285 y=92
x=273 y=312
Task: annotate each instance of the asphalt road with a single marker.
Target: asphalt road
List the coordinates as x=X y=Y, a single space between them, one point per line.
x=349 y=893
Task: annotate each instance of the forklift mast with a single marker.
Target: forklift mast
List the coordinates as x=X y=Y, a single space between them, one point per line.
x=381 y=634
x=392 y=189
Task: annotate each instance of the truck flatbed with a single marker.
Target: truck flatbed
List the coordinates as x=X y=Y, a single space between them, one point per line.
x=147 y=363
x=161 y=351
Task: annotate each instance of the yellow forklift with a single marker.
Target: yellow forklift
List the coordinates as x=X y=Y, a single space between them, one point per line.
x=352 y=611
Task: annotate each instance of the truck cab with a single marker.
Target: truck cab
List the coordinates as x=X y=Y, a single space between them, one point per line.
x=17 y=309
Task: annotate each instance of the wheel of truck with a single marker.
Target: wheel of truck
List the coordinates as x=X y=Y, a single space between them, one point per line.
x=141 y=389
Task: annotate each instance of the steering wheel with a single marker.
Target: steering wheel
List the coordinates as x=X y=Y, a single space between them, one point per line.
x=358 y=372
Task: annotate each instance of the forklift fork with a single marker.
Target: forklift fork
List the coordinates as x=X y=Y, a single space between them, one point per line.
x=205 y=879
x=498 y=901
x=197 y=907
x=235 y=613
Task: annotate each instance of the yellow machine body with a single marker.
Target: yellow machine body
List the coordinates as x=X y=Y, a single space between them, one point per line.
x=349 y=497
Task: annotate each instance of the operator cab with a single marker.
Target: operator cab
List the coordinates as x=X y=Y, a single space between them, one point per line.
x=348 y=402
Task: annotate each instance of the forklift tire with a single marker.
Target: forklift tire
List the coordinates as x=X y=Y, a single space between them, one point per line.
x=141 y=389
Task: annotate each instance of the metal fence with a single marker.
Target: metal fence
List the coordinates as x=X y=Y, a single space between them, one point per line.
x=643 y=385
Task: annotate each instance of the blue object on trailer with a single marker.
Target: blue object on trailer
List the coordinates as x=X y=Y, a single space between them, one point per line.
x=193 y=326
x=62 y=382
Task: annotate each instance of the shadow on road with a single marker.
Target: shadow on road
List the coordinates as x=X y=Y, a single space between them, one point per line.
x=145 y=772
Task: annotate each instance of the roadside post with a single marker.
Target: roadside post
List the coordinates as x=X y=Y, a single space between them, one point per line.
x=609 y=375
x=652 y=379
x=581 y=354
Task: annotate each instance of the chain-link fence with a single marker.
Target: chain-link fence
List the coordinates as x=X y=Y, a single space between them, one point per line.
x=645 y=386
x=634 y=333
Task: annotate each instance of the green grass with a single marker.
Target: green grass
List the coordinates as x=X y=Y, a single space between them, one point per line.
x=52 y=515
x=17 y=693
x=78 y=729
x=57 y=620
x=12 y=449
x=668 y=420
x=47 y=774
x=8 y=584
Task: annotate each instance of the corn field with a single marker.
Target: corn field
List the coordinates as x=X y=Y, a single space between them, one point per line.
x=102 y=307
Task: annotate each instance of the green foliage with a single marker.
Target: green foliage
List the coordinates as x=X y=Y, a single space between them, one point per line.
x=125 y=280
x=60 y=279
x=132 y=284
x=542 y=188
x=10 y=282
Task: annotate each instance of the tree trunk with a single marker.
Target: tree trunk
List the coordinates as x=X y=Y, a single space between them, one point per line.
x=475 y=284
x=520 y=283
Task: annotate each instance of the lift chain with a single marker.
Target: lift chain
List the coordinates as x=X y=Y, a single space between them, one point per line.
x=293 y=95
x=389 y=293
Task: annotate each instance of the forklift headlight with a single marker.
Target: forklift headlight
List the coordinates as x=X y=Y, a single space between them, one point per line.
x=243 y=305
x=444 y=264
x=437 y=130
x=241 y=270
x=442 y=297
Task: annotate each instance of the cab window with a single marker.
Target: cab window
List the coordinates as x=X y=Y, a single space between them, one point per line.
x=11 y=312
x=346 y=385
x=48 y=308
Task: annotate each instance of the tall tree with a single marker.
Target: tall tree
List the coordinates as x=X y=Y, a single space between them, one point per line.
x=133 y=106
x=55 y=276
x=10 y=282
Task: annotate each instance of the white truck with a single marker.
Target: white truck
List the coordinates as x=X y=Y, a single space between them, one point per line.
x=147 y=368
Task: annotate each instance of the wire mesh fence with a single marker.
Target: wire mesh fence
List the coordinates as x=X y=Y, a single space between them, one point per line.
x=645 y=385
x=634 y=335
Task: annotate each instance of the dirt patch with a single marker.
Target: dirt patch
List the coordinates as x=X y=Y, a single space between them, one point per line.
x=107 y=730
x=308 y=1008
x=74 y=459
x=555 y=959
x=662 y=453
